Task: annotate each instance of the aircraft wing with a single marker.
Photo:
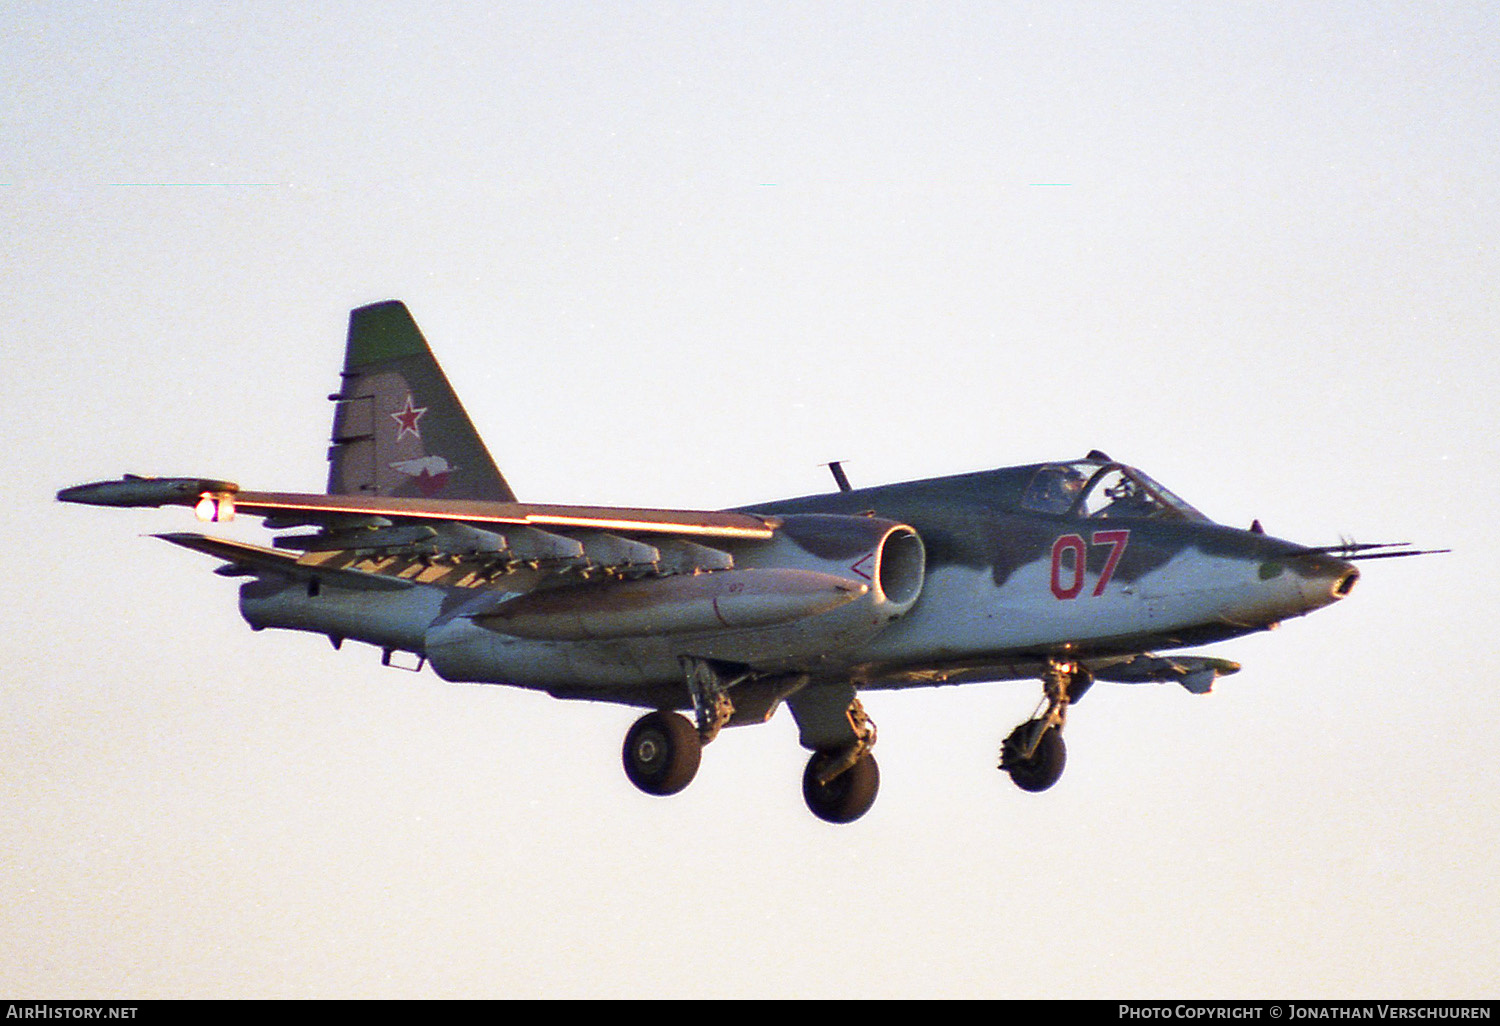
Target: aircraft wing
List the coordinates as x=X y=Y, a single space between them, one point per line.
x=220 y=500
x=460 y=542
x=325 y=509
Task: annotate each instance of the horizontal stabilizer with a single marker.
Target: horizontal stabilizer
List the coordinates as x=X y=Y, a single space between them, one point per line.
x=256 y=558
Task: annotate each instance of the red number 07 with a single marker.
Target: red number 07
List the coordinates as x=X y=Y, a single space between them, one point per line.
x=1116 y=540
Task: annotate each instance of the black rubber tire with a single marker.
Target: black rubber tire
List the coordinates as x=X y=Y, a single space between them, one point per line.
x=1046 y=764
x=847 y=796
x=661 y=754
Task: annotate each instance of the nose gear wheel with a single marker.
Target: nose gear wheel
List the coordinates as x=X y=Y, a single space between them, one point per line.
x=1034 y=754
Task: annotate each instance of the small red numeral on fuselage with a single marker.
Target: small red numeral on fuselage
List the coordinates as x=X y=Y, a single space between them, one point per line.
x=1067 y=582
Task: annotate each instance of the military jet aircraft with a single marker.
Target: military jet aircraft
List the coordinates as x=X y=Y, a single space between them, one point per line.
x=1067 y=572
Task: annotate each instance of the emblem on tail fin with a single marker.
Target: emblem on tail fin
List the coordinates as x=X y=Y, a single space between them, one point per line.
x=407 y=418
x=431 y=473
x=399 y=428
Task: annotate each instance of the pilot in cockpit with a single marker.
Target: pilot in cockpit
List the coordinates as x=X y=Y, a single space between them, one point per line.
x=1128 y=499
x=1055 y=489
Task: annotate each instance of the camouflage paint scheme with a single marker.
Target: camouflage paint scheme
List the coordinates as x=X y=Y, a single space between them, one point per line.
x=989 y=612
x=383 y=441
x=1062 y=571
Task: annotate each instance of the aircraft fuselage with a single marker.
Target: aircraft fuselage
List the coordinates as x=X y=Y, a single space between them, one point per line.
x=1002 y=591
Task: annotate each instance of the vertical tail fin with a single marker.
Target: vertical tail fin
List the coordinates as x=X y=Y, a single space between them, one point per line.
x=399 y=429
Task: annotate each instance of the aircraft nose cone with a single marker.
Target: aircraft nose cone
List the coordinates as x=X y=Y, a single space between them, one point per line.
x=1325 y=580
x=1297 y=582
x=1345 y=584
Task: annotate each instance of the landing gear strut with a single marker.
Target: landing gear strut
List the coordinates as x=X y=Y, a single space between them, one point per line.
x=710 y=692
x=841 y=779
x=663 y=749
x=1034 y=754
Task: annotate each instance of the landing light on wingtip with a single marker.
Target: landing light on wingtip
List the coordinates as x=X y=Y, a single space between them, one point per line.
x=215 y=508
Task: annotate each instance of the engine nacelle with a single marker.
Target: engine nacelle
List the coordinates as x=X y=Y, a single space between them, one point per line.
x=681 y=604
x=886 y=555
x=822 y=586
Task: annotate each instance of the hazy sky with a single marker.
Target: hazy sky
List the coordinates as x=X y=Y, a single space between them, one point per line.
x=681 y=255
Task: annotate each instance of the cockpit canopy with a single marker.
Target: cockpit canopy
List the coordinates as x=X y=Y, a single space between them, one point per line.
x=1097 y=488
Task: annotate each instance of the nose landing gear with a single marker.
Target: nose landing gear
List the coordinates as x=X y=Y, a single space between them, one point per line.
x=1034 y=754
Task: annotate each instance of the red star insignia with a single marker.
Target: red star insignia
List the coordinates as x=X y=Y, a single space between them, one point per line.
x=407 y=419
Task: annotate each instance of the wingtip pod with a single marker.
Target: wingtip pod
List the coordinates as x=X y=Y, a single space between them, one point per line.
x=131 y=490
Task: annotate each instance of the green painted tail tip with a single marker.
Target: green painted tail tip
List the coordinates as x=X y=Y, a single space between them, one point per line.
x=380 y=332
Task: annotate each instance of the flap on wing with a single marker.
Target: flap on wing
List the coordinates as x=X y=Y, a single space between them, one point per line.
x=317 y=508
x=255 y=557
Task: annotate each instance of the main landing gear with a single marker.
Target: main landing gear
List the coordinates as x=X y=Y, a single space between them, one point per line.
x=662 y=752
x=1034 y=754
x=845 y=795
x=841 y=779
x=663 y=749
